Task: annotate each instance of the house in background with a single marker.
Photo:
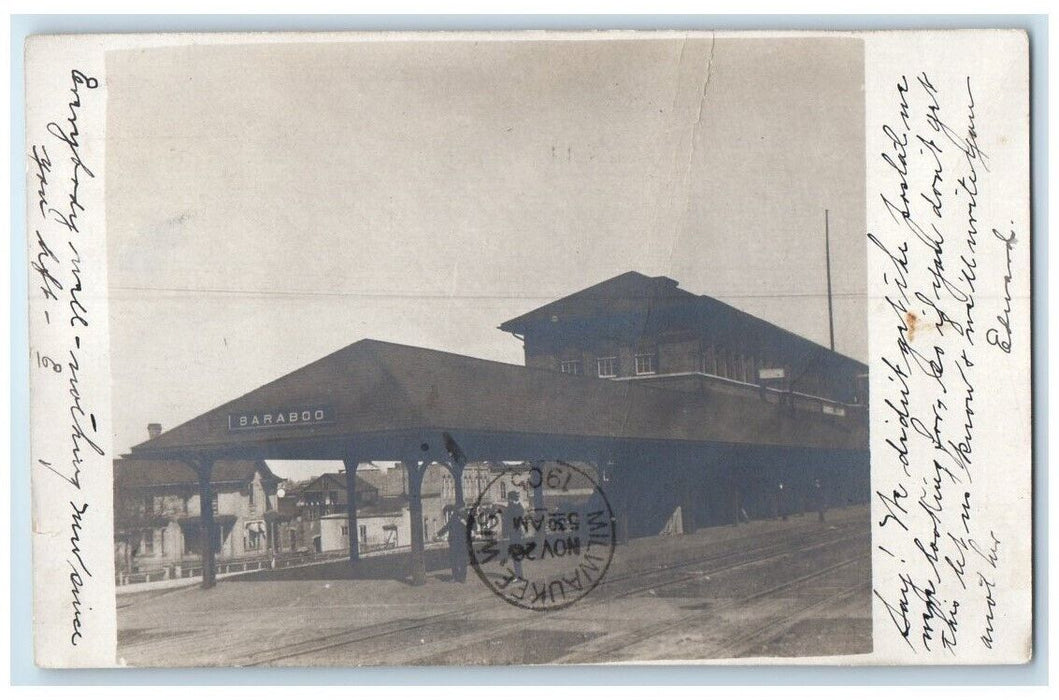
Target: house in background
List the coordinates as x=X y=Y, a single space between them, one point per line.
x=157 y=519
x=383 y=514
x=315 y=518
x=320 y=521
x=260 y=515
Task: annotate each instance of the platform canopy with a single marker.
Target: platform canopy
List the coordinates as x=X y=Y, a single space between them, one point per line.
x=389 y=401
x=380 y=401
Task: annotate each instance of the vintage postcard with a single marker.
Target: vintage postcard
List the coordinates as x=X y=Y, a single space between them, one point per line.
x=530 y=348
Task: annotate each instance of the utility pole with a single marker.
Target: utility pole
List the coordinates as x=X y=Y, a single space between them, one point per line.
x=827 y=255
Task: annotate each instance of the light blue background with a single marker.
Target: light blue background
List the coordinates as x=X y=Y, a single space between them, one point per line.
x=24 y=672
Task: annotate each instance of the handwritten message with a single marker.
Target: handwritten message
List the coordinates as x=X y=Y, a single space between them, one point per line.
x=60 y=303
x=942 y=559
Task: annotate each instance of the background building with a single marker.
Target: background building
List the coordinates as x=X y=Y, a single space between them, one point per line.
x=317 y=519
x=260 y=516
x=157 y=523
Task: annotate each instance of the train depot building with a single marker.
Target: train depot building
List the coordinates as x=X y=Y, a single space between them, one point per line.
x=689 y=413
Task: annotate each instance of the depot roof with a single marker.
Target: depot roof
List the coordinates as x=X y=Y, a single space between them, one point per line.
x=373 y=388
x=656 y=301
x=631 y=291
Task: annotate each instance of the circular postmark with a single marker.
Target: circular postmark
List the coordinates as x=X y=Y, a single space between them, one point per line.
x=547 y=540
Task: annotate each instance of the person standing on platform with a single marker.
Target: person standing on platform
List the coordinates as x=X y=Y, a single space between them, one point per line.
x=821 y=499
x=514 y=524
x=455 y=528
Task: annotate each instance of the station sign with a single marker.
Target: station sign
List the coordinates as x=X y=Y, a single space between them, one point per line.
x=771 y=373
x=281 y=418
x=834 y=410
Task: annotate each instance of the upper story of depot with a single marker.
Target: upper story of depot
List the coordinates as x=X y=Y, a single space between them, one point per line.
x=646 y=329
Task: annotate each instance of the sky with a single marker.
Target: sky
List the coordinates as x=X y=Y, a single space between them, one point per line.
x=268 y=204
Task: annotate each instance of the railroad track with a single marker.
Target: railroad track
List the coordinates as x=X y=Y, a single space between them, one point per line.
x=741 y=644
x=732 y=645
x=623 y=585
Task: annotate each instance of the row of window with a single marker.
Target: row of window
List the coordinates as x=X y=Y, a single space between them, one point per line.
x=715 y=361
x=448 y=490
x=607 y=367
x=731 y=365
x=155 y=505
x=147 y=540
x=472 y=483
x=362 y=533
x=254 y=539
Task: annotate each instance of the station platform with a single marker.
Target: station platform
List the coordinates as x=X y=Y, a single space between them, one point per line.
x=772 y=588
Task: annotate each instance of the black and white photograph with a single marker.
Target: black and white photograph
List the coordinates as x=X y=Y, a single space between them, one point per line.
x=489 y=352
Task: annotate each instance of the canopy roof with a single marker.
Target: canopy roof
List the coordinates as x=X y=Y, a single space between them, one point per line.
x=390 y=401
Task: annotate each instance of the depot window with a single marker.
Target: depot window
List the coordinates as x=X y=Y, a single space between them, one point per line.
x=708 y=361
x=738 y=367
x=570 y=367
x=645 y=363
x=607 y=366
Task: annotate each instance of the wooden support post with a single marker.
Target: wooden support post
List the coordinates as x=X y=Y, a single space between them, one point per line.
x=207 y=531
x=351 y=509
x=415 y=513
x=456 y=469
x=456 y=464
